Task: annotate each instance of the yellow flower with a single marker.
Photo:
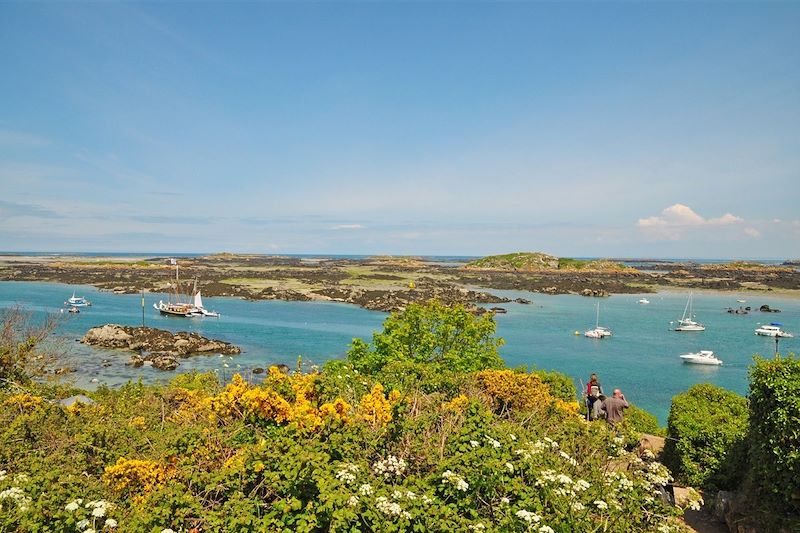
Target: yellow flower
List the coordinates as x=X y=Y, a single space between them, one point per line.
x=137 y=475
x=374 y=408
x=23 y=401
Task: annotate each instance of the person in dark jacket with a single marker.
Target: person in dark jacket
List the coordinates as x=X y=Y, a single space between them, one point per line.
x=614 y=407
x=593 y=391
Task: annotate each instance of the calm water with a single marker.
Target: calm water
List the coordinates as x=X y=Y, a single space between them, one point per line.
x=641 y=358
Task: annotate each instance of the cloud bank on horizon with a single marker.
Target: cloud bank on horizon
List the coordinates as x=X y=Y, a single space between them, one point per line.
x=664 y=130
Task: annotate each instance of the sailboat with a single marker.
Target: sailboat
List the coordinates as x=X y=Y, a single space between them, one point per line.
x=198 y=304
x=599 y=332
x=687 y=322
x=184 y=309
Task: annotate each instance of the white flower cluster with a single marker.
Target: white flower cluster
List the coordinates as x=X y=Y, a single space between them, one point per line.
x=620 y=480
x=553 y=444
x=18 y=496
x=493 y=442
x=600 y=504
x=455 y=480
x=352 y=501
x=391 y=508
x=568 y=458
x=347 y=473
x=365 y=489
x=3 y=475
x=510 y=467
x=474 y=443
x=657 y=474
x=99 y=507
x=391 y=466
x=527 y=516
x=694 y=500
x=477 y=527
x=531 y=449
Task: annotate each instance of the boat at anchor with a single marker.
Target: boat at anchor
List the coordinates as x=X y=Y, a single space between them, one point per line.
x=703 y=357
x=687 y=322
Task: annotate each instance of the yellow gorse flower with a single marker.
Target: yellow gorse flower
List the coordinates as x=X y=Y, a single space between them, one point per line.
x=137 y=475
x=23 y=401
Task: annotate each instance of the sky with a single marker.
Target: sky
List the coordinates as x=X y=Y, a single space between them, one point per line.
x=633 y=129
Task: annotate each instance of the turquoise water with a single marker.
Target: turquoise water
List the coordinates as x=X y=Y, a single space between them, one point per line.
x=641 y=358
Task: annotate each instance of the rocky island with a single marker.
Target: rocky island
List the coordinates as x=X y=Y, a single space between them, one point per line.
x=391 y=283
x=157 y=347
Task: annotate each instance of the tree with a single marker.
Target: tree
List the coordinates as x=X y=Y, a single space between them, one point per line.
x=21 y=357
x=433 y=333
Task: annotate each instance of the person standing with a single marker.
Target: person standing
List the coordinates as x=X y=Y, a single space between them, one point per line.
x=614 y=408
x=593 y=391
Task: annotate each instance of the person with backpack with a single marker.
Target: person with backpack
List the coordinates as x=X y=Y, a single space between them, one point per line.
x=593 y=392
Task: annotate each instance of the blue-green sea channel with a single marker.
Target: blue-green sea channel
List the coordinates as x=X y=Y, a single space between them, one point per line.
x=642 y=357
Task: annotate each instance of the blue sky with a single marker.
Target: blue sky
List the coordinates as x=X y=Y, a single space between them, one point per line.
x=596 y=129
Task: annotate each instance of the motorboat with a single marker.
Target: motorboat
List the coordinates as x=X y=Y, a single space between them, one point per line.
x=599 y=332
x=687 y=322
x=644 y=301
x=773 y=330
x=73 y=309
x=703 y=357
x=77 y=301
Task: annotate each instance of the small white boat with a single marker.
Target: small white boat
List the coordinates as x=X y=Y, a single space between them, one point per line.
x=741 y=301
x=703 y=357
x=644 y=301
x=198 y=305
x=74 y=309
x=687 y=323
x=773 y=330
x=599 y=332
x=77 y=301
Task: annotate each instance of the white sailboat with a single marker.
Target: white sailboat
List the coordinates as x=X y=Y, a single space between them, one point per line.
x=687 y=322
x=599 y=332
x=198 y=304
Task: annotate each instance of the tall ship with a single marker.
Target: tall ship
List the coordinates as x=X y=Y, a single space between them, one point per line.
x=189 y=309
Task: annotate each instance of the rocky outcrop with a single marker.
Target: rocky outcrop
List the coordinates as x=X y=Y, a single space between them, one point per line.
x=596 y=293
x=157 y=347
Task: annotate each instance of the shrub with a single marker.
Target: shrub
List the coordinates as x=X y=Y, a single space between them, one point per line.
x=561 y=385
x=21 y=355
x=432 y=333
x=774 y=437
x=706 y=432
x=641 y=421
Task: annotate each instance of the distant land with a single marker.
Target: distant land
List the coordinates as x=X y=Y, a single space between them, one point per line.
x=389 y=283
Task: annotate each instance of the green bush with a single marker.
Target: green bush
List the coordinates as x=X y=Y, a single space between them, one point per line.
x=774 y=437
x=641 y=421
x=450 y=338
x=561 y=385
x=706 y=431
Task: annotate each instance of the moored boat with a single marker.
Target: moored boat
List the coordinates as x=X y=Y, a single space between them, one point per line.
x=773 y=330
x=599 y=332
x=703 y=357
x=77 y=301
x=687 y=322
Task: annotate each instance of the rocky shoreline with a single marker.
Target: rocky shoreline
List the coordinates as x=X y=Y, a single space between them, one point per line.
x=389 y=283
x=156 y=347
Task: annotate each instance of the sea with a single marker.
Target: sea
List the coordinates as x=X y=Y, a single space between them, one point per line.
x=641 y=358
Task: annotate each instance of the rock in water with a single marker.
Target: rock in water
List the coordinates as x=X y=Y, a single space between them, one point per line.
x=160 y=348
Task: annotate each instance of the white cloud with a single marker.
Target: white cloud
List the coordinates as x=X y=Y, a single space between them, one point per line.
x=683 y=215
x=752 y=232
x=676 y=219
x=347 y=226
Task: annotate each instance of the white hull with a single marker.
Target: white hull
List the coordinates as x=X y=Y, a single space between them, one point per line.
x=771 y=331
x=703 y=357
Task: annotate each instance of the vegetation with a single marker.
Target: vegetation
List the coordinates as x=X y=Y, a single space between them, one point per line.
x=21 y=353
x=535 y=261
x=707 y=426
x=449 y=338
x=774 y=439
x=461 y=445
x=525 y=261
